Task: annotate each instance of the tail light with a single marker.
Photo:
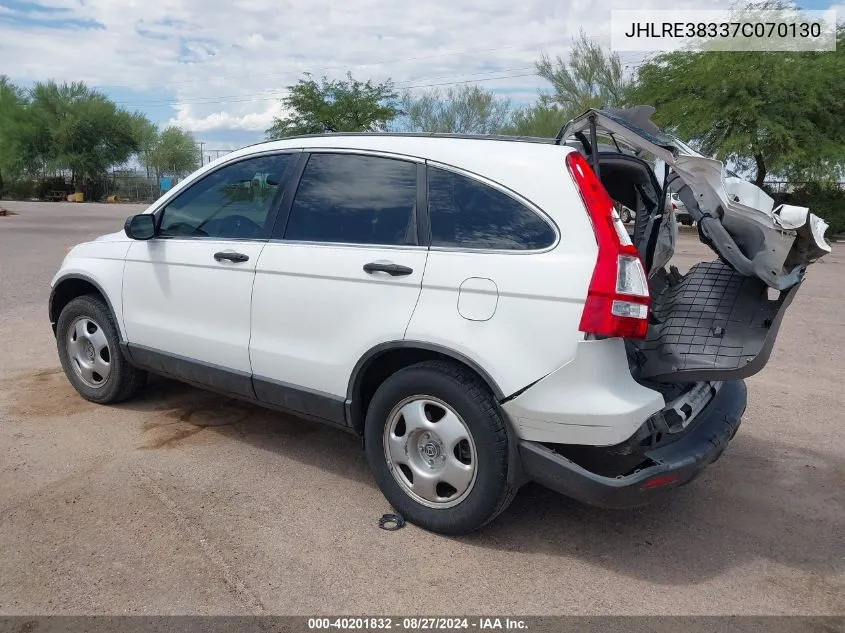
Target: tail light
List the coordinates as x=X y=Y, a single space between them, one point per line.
x=618 y=298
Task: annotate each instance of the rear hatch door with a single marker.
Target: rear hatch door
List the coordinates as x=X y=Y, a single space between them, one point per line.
x=718 y=321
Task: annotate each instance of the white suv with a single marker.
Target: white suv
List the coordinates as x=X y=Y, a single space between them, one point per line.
x=472 y=307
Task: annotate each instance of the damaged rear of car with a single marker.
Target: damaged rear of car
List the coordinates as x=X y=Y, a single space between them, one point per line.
x=706 y=329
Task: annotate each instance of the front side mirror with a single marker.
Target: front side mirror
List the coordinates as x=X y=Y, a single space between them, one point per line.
x=140 y=227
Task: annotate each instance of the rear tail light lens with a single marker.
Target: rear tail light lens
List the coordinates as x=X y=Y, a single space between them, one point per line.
x=618 y=297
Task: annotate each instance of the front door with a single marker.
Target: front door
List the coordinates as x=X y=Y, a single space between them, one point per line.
x=187 y=291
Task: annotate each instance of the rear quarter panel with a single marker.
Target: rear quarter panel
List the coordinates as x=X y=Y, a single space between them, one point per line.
x=539 y=298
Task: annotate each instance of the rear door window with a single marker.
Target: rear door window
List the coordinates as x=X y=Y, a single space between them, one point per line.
x=467 y=213
x=355 y=199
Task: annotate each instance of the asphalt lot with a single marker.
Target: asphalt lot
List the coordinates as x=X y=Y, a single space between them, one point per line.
x=185 y=502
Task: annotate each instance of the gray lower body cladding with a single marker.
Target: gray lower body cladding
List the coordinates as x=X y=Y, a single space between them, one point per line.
x=716 y=324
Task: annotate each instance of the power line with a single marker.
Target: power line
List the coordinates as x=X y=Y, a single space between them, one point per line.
x=406 y=85
x=258 y=96
x=349 y=66
x=400 y=84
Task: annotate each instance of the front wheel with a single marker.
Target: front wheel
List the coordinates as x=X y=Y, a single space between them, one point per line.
x=437 y=444
x=89 y=350
x=625 y=216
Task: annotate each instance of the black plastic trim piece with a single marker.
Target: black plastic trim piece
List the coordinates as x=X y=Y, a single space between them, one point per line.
x=472 y=137
x=305 y=403
x=423 y=221
x=585 y=144
x=594 y=156
x=394 y=270
x=280 y=222
x=301 y=401
x=278 y=200
x=233 y=257
x=206 y=375
x=679 y=462
x=364 y=362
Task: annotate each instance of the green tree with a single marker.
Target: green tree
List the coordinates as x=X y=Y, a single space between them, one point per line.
x=771 y=112
x=80 y=130
x=173 y=152
x=536 y=120
x=146 y=136
x=335 y=106
x=467 y=109
x=593 y=78
x=12 y=122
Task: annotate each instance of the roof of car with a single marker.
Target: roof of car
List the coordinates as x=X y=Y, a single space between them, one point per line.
x=484 y=155
x=474 y=137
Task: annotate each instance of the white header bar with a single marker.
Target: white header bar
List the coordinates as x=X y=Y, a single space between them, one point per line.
x=722 y=30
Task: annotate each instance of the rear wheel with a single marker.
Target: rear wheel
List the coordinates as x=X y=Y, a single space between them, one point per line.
x=625 y=215
x=438 y=446
x=89 y=350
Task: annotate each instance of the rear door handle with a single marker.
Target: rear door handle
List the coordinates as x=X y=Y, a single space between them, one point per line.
x=394 y=270
x=232 y=256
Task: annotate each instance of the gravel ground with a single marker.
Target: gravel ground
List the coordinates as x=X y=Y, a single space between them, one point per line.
x=186 y=502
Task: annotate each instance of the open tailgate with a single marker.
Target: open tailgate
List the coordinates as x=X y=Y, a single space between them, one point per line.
x=717 y=322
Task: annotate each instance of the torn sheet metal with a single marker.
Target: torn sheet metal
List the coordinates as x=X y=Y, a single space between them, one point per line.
x=735 y=217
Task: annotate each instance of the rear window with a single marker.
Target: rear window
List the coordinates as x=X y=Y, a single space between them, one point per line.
x=467 y=213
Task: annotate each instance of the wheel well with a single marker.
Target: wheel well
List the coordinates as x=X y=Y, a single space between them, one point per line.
x=386 y=363
x=66 y=291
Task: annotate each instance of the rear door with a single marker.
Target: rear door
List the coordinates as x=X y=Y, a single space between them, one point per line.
x=341 y=275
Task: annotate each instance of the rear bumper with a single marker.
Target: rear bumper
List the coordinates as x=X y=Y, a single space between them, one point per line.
x=675 y=464
x=591 y=400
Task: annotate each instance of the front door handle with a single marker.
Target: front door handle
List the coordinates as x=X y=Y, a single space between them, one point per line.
x=394 y=270
x=232 y=256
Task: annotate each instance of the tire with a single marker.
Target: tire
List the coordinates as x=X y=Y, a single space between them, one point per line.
x=85 y=328
x=467 y=407
x=625 y=216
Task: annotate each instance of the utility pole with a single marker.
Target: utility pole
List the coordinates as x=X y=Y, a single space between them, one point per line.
x=201 y=143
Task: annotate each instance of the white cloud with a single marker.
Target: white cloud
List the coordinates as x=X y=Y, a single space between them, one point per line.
x=187 y=119
x=222 y=61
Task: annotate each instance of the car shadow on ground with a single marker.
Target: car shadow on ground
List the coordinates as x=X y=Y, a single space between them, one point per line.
x=762 y=500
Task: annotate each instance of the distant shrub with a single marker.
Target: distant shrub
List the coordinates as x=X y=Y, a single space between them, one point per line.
x=18 y=189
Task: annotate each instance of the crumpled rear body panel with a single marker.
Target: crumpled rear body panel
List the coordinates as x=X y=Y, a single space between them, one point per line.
x=736 y=218
x=716 y=324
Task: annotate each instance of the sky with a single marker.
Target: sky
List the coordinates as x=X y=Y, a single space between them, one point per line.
x=218 y=67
